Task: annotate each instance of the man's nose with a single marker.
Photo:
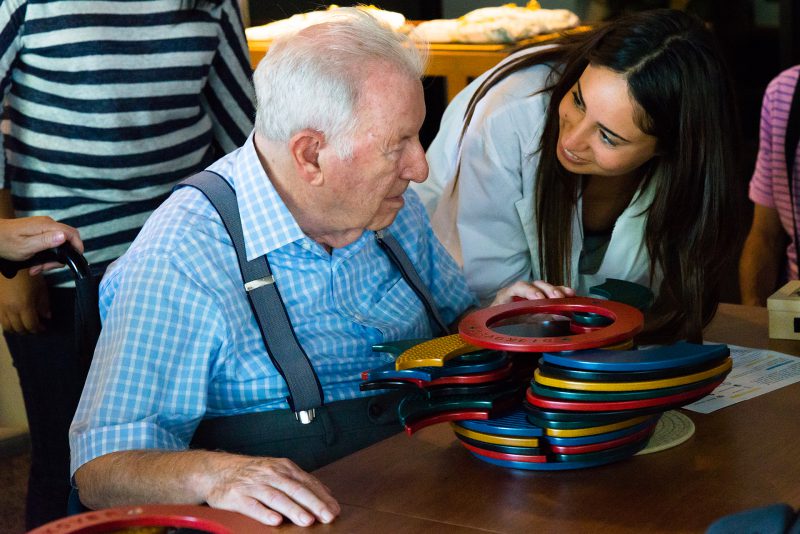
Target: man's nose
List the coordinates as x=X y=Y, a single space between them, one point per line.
x=417 y=168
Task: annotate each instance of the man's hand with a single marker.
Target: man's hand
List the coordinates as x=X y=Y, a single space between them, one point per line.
x=22 y=238
x=267 y=489
x=23 y=303
x=531 y=291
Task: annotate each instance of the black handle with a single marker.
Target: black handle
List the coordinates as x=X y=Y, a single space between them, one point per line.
x=65 y=254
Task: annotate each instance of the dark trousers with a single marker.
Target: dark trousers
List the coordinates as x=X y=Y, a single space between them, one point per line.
x=339 y=429
x=51 y=380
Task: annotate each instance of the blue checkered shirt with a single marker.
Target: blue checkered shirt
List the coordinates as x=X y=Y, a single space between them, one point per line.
x=179 y=341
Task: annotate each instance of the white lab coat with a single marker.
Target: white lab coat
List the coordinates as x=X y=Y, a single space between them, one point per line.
x=488 y=223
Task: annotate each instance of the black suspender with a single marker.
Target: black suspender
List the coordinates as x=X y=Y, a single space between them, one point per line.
x=305 y=391
x=790 y=151
x=399 y=257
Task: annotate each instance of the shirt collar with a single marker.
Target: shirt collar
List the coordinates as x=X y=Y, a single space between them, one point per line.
x=267 y=223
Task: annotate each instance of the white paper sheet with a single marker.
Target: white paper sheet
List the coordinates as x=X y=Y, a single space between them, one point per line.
x=755 y=372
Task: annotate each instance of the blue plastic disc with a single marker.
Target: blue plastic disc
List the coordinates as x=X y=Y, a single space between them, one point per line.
x=514 y=424
x=677 y=355
x=545 y=466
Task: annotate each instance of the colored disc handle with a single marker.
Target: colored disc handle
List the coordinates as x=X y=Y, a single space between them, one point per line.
x=476 y=328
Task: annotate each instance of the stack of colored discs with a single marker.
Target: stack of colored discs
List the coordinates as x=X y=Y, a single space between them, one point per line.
x=595 y=393
x=514 y=441
x=448 y=380
x=591 y=401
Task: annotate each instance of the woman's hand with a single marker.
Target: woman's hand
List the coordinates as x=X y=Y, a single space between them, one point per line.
x=22 y=238
x=531 y=291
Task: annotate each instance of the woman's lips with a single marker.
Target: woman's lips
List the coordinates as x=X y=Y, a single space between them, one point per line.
x=569 y=156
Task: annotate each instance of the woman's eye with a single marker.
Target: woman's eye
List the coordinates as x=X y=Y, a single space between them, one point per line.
x=606 y=139
x=577 y=100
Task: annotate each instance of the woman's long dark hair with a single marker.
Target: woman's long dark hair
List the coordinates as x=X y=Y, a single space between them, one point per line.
x=678 y=78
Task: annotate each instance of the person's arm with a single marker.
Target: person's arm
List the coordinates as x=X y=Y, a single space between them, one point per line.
x=765 y=245
x=164 y=344
x=761 y=256
x=446 y=282
x=495 y=198
x=12 y=14
x=265 y=489
x=228 y=96
x=22 y=238
x=23 y=299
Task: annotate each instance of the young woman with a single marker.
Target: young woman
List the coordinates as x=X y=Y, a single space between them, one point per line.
x=608 y=155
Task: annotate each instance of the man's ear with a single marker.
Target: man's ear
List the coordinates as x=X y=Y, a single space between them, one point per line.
x=305 y=147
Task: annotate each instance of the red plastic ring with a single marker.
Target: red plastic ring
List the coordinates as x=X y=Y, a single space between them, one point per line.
x=212 y=520
x=476 y=328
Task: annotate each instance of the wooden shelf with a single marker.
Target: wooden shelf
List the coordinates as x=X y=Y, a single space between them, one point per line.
x=458 y=63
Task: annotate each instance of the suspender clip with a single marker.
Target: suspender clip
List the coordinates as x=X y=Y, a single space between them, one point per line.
x=255 y=284
x=305 y=416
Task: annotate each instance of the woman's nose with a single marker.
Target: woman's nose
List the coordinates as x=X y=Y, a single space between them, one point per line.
x=575 y=135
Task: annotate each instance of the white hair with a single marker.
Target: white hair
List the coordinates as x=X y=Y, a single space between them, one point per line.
x=313 y=78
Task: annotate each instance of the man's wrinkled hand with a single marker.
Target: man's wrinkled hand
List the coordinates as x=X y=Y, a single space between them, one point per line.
x=268 y=489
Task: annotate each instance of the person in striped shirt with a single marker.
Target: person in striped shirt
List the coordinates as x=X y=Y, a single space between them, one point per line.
x=770 y=251
x=107 y=105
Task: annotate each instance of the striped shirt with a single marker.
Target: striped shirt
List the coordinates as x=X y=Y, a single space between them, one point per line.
x=108 y=103
x=770 y=185
x=179 y=340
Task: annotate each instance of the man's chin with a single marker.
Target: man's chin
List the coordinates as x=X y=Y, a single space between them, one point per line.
x=382 y=221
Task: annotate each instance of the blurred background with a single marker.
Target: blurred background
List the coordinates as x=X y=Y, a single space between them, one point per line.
x=759 y=37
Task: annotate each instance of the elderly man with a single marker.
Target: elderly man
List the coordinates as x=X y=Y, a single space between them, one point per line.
x=335 y=146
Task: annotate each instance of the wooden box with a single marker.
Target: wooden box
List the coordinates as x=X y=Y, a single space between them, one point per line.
x=784 y=312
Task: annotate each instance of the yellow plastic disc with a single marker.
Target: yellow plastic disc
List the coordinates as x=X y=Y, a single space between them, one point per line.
x=632 y=386
x=434 y=353
x=497 y=440
x=622 y=345
x=594 y=430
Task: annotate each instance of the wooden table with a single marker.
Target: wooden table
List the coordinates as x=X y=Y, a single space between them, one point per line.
x=459 y=64
x=740 y=457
